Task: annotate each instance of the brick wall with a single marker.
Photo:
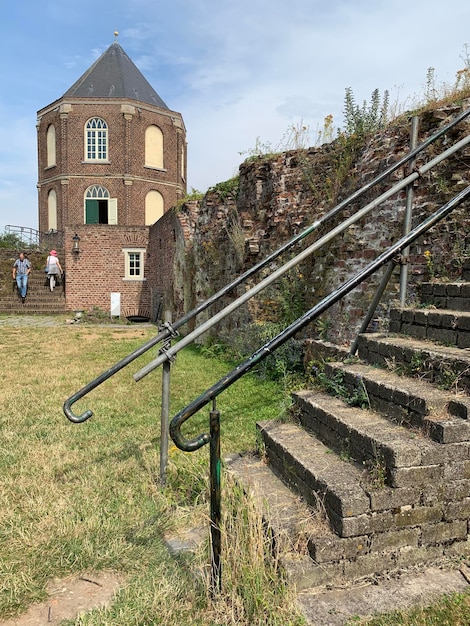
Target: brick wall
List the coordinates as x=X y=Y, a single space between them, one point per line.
x=99 y=269
x=125 y=175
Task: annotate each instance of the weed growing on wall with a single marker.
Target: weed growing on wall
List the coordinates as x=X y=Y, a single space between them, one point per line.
x=194 y=194
x=437 y=93
x=227 y=189
x=261 y=149
x=296 y=137
x=326 y=133
x=236 y=236
x=368 y=118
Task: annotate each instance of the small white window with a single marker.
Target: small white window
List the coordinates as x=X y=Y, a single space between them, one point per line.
x=134 y=263
x=96 y=140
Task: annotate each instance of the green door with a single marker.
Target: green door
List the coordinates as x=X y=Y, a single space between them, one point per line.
x=91 y=212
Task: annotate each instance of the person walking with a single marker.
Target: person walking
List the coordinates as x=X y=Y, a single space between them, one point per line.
x=53 y=267
x=21 y=270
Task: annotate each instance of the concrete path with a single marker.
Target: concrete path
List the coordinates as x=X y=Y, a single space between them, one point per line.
x=339 y=607
x=63 y=320
x=33 y=320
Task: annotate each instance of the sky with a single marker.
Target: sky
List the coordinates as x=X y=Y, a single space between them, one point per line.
x=242 y=73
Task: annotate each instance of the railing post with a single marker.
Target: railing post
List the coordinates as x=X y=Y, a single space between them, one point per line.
x=373 y=305
x=215 y=487
x=165 y=416
x=408 y=214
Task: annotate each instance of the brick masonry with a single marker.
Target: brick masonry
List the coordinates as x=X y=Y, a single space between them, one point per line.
x=99 y=269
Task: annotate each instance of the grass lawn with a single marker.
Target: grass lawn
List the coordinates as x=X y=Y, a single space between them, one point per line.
x=81 y=498
x=86 y=497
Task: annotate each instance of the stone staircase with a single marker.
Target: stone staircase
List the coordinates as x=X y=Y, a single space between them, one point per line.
x=40 y=299
x=372 y=475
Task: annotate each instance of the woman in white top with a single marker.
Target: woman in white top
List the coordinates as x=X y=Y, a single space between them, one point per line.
x=52 y=264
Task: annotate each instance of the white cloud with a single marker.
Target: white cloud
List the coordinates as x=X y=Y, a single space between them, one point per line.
x=235 y=71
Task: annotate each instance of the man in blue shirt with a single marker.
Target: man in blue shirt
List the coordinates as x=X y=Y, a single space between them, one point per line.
x=21 y=269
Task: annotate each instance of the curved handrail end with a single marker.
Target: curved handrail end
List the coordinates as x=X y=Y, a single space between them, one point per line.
x=76 y=419
x=187 y=445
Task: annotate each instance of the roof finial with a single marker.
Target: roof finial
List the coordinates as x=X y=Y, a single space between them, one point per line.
x=116 y=35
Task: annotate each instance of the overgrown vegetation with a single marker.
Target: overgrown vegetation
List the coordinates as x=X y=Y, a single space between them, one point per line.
x=10 y=241
x=194 y=194
x=366 y=119
x=354 y=396
x=228 y=189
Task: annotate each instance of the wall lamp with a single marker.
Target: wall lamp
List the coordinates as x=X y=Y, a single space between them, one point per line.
x=76 y=244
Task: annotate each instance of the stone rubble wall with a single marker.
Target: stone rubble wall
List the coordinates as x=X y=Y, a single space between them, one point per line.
x=279 y=196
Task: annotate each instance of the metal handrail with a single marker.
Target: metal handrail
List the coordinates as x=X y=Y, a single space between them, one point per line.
x=213 y=436
x=258 y=356
x=273 y=276
x=33 y=237
x=172 y=330
x=31 y=234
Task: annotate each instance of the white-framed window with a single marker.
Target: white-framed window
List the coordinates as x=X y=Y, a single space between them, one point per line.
x=96 y=140
x=134 y=263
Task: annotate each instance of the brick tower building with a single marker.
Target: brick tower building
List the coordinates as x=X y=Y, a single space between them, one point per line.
x=112 y=162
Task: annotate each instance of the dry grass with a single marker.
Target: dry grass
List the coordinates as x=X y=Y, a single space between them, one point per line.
x=76 y=498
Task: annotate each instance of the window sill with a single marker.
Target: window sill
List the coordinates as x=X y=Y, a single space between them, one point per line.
x=155 y=169
x=95 y=161
x=134 y=280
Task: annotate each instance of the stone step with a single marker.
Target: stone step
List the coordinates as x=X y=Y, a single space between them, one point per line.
x=324 y=480
x=389 y=536
x=446 y=366
x=410 y=402
x=291 y=522
x=390 y=454
x=446 y=326
x=454 y=296
x=34 y=311
x=48 y=298
x=317 y=351
x=35 y=303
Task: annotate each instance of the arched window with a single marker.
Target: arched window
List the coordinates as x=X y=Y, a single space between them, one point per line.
x=96 y=140
x=99 y=207
x=154 y=207
x=50 y=142
x=154 y=147
x=52 y=210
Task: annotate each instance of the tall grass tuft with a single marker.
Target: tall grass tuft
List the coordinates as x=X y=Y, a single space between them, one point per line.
x=253 y=590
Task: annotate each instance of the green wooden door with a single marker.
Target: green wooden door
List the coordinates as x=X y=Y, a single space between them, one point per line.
x=91 y=212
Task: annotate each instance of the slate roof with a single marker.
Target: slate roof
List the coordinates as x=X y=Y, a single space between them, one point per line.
x=114 y=75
